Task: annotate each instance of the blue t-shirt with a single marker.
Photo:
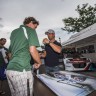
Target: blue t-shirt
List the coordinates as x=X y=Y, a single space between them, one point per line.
x=52 y=57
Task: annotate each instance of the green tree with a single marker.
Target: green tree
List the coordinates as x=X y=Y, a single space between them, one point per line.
x=87 y=17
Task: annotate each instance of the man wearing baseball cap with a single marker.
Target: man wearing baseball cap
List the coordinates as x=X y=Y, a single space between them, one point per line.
x=49 y=31
x=52 y=52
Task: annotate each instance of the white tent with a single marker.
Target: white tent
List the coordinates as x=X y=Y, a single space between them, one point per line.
x=86 y=35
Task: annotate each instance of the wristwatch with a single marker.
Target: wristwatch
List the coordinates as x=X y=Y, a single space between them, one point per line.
x=49 y=42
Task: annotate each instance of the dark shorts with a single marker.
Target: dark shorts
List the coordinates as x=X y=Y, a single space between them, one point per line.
x=2 y=73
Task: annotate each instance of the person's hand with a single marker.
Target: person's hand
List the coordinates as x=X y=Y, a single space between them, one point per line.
x=45 y=41
x=6 y=57
x=36 y=65
x=40 y=54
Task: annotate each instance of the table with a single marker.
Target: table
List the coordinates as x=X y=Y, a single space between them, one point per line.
x=89 y=73
x=40 y=89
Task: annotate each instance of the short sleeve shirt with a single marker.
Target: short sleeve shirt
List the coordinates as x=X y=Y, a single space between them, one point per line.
x=19 y=48
x=52 y=57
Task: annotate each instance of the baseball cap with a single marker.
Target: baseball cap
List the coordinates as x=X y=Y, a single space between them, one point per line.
x=49 y=31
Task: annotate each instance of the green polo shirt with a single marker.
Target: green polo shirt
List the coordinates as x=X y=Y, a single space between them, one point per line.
x=19 y=48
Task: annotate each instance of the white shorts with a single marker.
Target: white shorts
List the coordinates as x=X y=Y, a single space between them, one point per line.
x=20 y=83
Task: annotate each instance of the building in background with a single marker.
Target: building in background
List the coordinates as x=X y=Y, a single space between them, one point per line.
x=84 y=42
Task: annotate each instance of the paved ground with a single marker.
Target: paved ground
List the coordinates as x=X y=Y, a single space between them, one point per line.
x=6 y=88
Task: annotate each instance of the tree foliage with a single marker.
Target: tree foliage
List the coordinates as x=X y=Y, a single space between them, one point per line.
x=87 y=17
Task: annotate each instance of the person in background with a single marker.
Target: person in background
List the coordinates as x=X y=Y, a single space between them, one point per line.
x=52 y=52
x=24 y=41
x=3 y=63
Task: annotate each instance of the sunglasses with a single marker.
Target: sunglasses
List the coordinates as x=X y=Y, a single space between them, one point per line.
x=50 y=33
x=35 y=22
x=3 y=39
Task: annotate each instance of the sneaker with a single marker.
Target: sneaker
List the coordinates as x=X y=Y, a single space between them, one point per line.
x=2 y=92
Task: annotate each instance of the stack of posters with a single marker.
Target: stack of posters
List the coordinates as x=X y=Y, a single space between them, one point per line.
x=69 y=83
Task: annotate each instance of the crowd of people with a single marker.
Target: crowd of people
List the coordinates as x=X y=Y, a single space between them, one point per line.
x=22 y=50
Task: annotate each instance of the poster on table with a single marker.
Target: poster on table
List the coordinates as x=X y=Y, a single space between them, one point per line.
x=69 y=83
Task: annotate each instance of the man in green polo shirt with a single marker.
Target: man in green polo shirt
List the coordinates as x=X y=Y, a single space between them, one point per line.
x=23 y=43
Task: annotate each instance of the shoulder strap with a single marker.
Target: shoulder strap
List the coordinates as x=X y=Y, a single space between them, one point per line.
x=25 y=32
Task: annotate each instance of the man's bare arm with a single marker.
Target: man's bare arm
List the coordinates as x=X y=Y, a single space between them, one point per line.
x=55 y=47
x=36 y=57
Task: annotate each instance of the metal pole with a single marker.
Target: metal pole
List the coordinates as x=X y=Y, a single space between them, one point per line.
x=60 y=40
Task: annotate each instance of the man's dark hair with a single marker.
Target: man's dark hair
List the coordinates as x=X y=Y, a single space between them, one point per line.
x=27 y=20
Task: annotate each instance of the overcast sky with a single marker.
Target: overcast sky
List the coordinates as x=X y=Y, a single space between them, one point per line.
x=48 y=12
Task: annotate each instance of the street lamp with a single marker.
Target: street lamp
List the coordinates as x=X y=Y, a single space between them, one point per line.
x=60 y=40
